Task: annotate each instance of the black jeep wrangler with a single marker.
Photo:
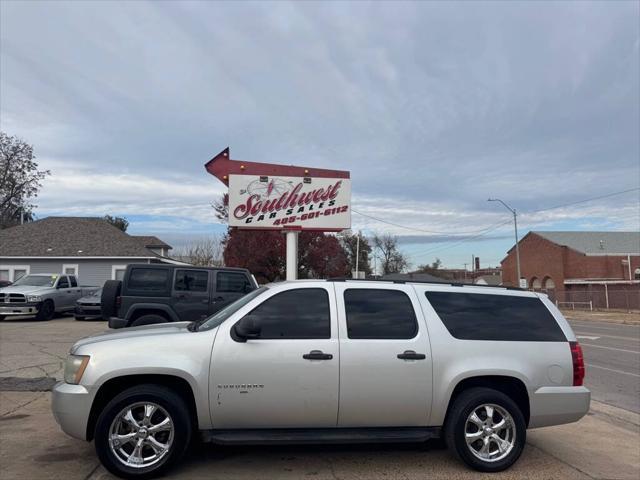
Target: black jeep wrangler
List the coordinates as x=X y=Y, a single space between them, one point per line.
x=158 y=293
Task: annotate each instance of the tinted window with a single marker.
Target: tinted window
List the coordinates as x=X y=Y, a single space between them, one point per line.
x=232 y=282
x=63 y=282
x=299 y=313
x=476 y=316
x=74 y=282
x=377 y=313
x=191 y=280
x=149 y=280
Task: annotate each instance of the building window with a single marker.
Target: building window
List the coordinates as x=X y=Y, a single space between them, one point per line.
x=536 y=284
x=117 y=272
x=549 y=284
x=70 y=269
x=13 y=272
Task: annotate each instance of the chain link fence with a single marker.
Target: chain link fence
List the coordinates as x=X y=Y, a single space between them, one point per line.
x=602 y=299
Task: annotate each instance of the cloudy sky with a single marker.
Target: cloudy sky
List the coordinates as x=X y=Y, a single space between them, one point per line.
x=433 y=107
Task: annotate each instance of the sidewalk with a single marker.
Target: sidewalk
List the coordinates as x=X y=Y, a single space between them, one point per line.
x=608 y=316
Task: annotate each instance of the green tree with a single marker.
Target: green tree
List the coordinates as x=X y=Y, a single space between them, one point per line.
x=119 y=222
x=20 y=180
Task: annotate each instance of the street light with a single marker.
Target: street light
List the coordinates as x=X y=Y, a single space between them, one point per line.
x=515 y=224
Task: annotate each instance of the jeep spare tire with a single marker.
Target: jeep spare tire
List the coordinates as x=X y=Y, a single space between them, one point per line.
x=110 y=291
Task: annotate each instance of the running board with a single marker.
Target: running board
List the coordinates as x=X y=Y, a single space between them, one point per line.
x=320 y=435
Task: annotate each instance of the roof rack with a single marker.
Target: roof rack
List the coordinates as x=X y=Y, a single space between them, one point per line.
x=432 y=282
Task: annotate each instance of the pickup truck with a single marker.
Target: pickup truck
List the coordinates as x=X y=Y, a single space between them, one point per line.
x=330 y=361
x=42 y=295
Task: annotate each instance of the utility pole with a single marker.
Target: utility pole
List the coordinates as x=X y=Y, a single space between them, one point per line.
x=515 y=225
x=357 y=254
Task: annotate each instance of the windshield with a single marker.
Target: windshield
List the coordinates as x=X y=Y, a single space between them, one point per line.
x=37 y=280
x=220 y=316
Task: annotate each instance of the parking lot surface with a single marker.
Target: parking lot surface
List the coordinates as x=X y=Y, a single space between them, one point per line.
x=605 y=444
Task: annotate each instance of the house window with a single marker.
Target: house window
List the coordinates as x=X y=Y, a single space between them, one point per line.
x=70 y=269
x=117 y=272
x=13 y=272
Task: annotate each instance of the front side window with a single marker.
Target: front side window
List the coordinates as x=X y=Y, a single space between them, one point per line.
x=379 y=314
x=63 y=282
x=232 y=282
x=191 y=280
x=478 y=316
x=295 y=314
x=149 y=280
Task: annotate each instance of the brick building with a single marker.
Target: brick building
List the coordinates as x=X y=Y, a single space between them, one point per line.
x=601 y=267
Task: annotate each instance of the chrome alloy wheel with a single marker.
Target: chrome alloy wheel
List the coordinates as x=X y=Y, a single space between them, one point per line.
x=141 y=434
x=490 y=432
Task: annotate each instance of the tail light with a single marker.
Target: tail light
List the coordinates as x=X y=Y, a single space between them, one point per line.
x=578 y=363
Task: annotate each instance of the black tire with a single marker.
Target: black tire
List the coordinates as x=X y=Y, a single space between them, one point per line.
x=164 y=397
x=148 y=320
x=2 y=317
x=455 y=428
x=110 y=291
x=47 y=311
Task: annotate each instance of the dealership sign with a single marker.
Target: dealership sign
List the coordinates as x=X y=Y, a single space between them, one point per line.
x=281 y=202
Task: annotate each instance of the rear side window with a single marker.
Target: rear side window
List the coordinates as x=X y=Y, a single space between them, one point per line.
x=298 y=313
x=377 y=313
x=74 y=282
x=233 y=282
x=149 y=280
x=191 y=280
x=476 y=316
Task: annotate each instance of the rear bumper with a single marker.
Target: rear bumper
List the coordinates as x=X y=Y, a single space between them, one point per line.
x=558 y=405
x=71 y=405
x=8 y=309
x=115 y=322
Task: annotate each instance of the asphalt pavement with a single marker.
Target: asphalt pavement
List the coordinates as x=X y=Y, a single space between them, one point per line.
x=612 y=358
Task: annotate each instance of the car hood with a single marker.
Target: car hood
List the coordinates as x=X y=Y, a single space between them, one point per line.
x=156 y=330
x=23 y=289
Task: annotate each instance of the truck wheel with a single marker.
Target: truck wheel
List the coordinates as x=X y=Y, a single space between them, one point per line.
x=2 y=317
x=47 y=311
x=148 y=320
x=486 y=429
x=143 y=431
x=110 y=291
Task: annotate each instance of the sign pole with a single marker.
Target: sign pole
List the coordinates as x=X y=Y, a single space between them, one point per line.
x=292 y=254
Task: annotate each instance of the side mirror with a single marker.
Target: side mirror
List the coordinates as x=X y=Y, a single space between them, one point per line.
x=247 y=327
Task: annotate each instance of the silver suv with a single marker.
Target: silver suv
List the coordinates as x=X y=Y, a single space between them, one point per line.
x=330 y=361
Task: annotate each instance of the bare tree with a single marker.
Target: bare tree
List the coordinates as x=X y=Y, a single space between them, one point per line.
x=204 y=252
x=20 y=180
x=393 y=261
x=221 y=207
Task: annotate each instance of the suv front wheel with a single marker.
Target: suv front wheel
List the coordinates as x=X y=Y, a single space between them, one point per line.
x=486 y=429
x=142 y=432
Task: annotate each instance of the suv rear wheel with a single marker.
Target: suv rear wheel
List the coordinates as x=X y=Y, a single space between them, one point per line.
x=143 y=431
x=486 y=429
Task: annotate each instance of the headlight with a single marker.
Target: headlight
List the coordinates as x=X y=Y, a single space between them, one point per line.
x=74 y=368
x=34 y=298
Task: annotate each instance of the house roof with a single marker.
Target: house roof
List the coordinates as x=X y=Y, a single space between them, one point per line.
x=70 y=237
x=596 y=243
x=150 y=241
x=493 y=280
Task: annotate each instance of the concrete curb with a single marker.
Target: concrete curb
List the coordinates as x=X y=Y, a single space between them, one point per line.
x=615 y=413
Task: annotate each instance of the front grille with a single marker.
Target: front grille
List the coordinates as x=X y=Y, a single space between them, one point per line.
x=12 y=298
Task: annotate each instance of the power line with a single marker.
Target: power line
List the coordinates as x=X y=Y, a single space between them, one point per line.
x=587 y=200
x=414 y=228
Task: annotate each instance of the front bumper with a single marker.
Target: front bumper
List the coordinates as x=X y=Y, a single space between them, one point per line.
x=8 y=309
x=71 y=405
x=558 y=405
x=87 y=310
x=115 y=322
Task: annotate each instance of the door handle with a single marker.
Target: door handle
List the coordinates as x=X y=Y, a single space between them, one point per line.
x=317 y=355
x=411 y=355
